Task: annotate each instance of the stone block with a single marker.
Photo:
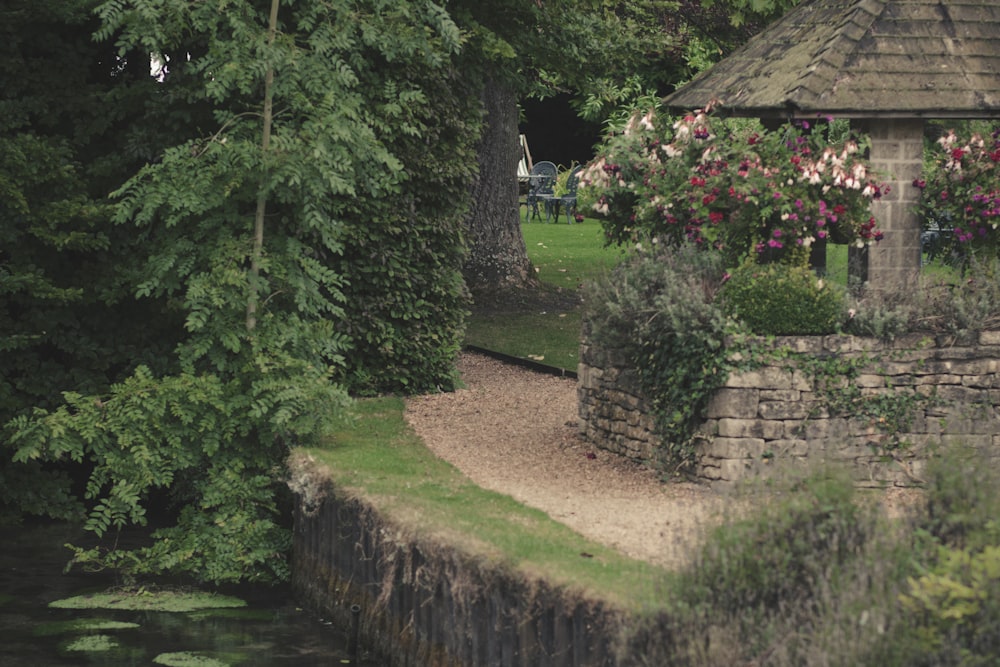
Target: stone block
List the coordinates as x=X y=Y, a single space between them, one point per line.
x=751 y=428
x=870 y=380
x=710 y=472
x=770 y=377
x=989 y=337
x=960 y=395
x=640 y=434
x=738 y=403
x=821 y=429
x=800 y=344
x=850 y=449
x=979 y=381
x=937 y=379
x=913 y=342
x=977 y=441
x=781 y=395
x=781 y=410
x=788 y=448
x=986 y=425
x=732 y=448
x=734 y=470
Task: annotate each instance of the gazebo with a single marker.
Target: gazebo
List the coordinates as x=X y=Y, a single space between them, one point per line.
x=888 y=65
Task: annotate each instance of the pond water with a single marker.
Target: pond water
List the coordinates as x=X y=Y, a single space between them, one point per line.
x=271 y=631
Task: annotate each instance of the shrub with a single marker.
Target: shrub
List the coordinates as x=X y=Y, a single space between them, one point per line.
x=780 y=299
x=949 y=612
x=785 y=583
x=659 y=309
x=960 y=190
x=733 y=186
x=780 y=555
x=950 y=305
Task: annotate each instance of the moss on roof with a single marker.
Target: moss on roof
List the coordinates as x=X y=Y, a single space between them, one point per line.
x=863 y=58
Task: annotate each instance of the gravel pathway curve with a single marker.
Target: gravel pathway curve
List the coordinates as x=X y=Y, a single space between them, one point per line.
x=513 y=431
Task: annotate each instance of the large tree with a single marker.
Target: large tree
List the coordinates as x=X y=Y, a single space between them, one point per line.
x=514 y=49
x=604 y=51
x=285 y=224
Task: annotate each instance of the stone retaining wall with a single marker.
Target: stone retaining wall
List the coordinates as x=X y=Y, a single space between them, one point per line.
x=417 y=603
x=775 y=414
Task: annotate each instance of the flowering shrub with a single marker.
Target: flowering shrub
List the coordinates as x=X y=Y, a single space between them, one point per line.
x=736 y=187
x=780 y=299
x=960 y=192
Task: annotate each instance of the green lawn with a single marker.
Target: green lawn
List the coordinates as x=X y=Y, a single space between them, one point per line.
x=376 y=456
x=566 y=256
x=548 y=331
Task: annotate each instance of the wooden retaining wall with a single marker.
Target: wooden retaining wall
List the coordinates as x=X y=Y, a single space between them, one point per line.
x=776 y=413
x=422 y=604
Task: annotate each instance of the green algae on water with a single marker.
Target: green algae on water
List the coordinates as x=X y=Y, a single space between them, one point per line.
x=143 y=600
x=80 y=625
x=186 y=659
x=93 y=644
x=237 y=614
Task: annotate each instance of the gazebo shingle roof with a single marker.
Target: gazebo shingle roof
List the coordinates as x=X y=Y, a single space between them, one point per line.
x=863 y=59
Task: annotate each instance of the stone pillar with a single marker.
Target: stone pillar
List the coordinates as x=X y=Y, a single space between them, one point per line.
x=897 y=155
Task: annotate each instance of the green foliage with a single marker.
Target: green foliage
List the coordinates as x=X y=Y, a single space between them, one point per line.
x=949 y=305
x=216 y=444
x=948 y=611
x=959 y=597
x=180 y=404
x=68 y=135
x=780 y=299
x=805 y=573
x=962 y=503
x=405 y=302
x=658 y=308
x=743 y=11
x=783 y=553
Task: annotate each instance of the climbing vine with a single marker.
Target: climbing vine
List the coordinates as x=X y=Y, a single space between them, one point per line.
x=834 y=378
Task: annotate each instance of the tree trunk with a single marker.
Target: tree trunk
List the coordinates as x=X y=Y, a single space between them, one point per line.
x=497 y=260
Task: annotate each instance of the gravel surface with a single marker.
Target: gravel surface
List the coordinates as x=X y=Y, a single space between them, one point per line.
x=514 y=431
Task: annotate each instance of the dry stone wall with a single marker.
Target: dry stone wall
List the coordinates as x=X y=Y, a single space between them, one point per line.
x=413 y=601
x=778 y=414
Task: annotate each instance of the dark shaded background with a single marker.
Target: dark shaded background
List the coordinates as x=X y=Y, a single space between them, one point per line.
x=556 y=133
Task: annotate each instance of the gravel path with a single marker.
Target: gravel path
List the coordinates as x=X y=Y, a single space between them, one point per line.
x=514 y=431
